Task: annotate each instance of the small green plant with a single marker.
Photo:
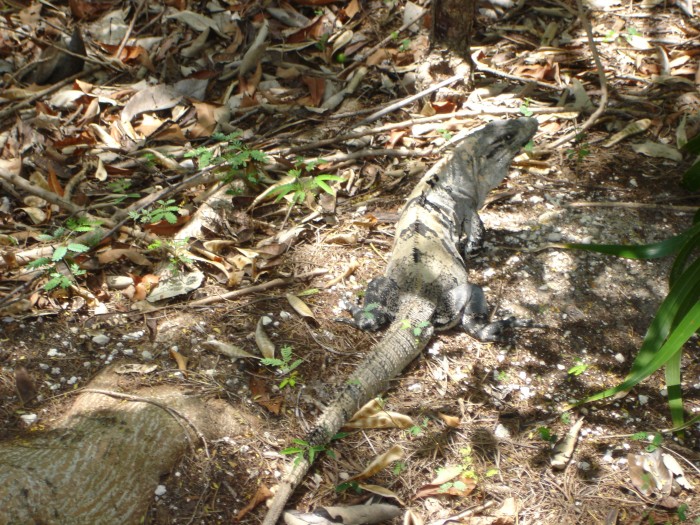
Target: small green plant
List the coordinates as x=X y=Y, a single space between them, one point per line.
x=502 y=376
x=546 y=434
x=285 y=366
x=417 y=430
x=304 y=450
x=654 y=438
x=525 y=108
x=445 y=134
x=579 y=368
x=63 y=255
x=405 y=45
x=582 y=149
x=120 y=187
x=565 y=418
x=164 y=210
x=232 y=155
x=302 y=183
x=176 y=248
x=394 y=35
x=398 y=468
x=418 y=329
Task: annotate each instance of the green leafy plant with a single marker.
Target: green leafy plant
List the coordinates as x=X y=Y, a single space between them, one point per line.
x=63 y=255
x=303 y=450
x=176 y=249
x=525 y=108
x=119 y=188
x=164 y=210
x=445 y=134
x=678 y=317
x=654 y=438
x=582 y=149
x=232 y=155
x=405 y=45
x=301 y=183
x=285 y=366
x=546 y=434
x=418 y=329
x=417 y=430
x=579 y=368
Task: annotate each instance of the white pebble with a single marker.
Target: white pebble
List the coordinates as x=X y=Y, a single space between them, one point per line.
x=100 y=339
x=619 y=358
x=160 y=490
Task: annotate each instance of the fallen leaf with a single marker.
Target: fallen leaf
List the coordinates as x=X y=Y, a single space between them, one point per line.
x=300 y=306
x=262 y=494
x=265 y=345
x=380 y=462
x=655 y=149
x=226 y=349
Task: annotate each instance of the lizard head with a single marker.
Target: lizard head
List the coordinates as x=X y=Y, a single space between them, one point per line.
x=496 y=145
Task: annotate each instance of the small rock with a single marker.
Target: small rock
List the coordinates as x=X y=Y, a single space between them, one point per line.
x=160 y=490
x=29 y=419
x=554 y=237
x=619 y=358
x=146 y=355
x=100 y=339
x=643 y=400
x=266 y=320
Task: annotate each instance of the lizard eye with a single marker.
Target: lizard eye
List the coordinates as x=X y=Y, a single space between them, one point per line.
x=509 y=137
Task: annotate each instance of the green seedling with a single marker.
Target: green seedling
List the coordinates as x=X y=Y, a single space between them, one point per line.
x=285 y=367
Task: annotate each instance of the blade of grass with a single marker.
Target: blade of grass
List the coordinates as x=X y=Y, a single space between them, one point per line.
x=687 y=327
x=643 y=251
x=673 y=388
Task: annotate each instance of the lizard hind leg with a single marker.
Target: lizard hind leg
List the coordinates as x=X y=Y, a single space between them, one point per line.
x=381 y=302
x=475 y=319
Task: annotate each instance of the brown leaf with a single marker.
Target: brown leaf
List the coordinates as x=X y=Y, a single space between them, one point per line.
x=24 y=385
x=316 y=87
x=180 y=359
x=262 y=494
x=258 y=388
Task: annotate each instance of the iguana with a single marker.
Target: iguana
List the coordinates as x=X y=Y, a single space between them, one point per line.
x=425 y=284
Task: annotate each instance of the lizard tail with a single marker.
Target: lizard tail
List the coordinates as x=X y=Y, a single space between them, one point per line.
x=403 y=342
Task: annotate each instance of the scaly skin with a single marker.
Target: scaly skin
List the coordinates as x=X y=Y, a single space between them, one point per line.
x=425 y=284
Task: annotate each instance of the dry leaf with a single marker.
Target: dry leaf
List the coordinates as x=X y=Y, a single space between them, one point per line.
x=631 y=129
x=564 y=448
x=373 y=415
x=226 y=349
x=379 y=463
x=262 y=494
x=381 y=491
x=180 y=359
x=450 y=421
x=265 y=345
x=300 y=306
x=654 y=149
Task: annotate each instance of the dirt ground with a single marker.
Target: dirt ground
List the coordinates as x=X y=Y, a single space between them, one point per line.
x=593 y=310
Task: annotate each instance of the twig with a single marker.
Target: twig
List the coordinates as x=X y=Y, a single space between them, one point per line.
x=352 y=67
x=418 y=121
x=9 y=111
x=601 y=79
x=632 y=205
x=408 y=100
x=130 y=29
x=275 y=283
x=486 y=69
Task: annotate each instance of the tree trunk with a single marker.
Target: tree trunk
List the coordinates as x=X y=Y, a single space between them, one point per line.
x=102 y=461
x=453 y=24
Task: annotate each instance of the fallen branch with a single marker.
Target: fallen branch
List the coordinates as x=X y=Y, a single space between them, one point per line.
x=275 y=283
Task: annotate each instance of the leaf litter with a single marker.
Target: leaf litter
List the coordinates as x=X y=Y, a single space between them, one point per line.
x=169 y=104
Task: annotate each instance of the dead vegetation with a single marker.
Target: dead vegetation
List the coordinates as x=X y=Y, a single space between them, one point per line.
x=144 y=146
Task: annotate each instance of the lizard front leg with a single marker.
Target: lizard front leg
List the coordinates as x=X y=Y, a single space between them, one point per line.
x=475 y=319
x=381 y=302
